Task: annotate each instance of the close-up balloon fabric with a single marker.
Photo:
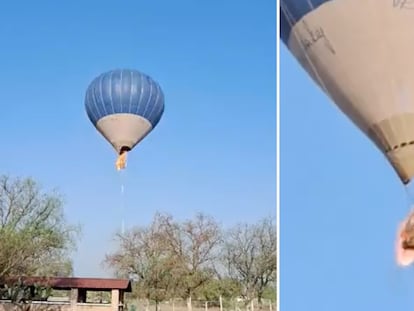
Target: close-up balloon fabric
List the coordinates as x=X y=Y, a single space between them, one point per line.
x=359 y=52
x=124 y=106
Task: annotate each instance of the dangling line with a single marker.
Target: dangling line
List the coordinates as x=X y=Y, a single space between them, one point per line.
x=409 y=193
x=121 y=174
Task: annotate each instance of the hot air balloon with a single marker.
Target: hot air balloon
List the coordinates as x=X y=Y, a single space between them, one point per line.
x=124 y=106
x=359 y=53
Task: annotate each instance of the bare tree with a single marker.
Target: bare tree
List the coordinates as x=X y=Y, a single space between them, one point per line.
x=143 y=256
x=34 y=234
x=193 y=244
x=249 y=254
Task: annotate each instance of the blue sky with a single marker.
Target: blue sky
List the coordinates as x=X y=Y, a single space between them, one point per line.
x=340 y=206
x=214 y=149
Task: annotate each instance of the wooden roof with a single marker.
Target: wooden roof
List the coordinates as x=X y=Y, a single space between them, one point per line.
x=67 y=283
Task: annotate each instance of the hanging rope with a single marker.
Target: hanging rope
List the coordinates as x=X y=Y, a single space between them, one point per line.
x=122 y=200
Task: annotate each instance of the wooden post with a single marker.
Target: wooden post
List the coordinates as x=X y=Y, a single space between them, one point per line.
x=73 y=298
x=147 y=304
x=221 y=303
x=206 y=306
x=115 y=299
x=189 y=304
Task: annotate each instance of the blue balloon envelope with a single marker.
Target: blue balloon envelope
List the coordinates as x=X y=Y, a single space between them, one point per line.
x=124 y=105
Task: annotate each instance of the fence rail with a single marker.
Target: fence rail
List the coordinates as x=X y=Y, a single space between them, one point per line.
x=202 y=305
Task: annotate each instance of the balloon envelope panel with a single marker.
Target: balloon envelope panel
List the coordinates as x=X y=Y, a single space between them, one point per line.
x=293 y=11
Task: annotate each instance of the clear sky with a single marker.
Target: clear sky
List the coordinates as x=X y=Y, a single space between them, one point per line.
x=340 y=206
x=214 y=149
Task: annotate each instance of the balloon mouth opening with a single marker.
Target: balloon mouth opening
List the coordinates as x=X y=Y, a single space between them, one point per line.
x=124 y=149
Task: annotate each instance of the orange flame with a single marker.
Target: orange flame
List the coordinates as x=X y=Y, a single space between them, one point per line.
x=121 y=161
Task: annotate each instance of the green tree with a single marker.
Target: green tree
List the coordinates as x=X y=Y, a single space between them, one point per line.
x=168 y=258
x=142 y=255
x=270 y=292
x=35 y=237
x=194 y=245
x=249 y=253
x=214 y=288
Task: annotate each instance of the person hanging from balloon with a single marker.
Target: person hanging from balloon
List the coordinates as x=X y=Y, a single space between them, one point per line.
x=124 y=106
